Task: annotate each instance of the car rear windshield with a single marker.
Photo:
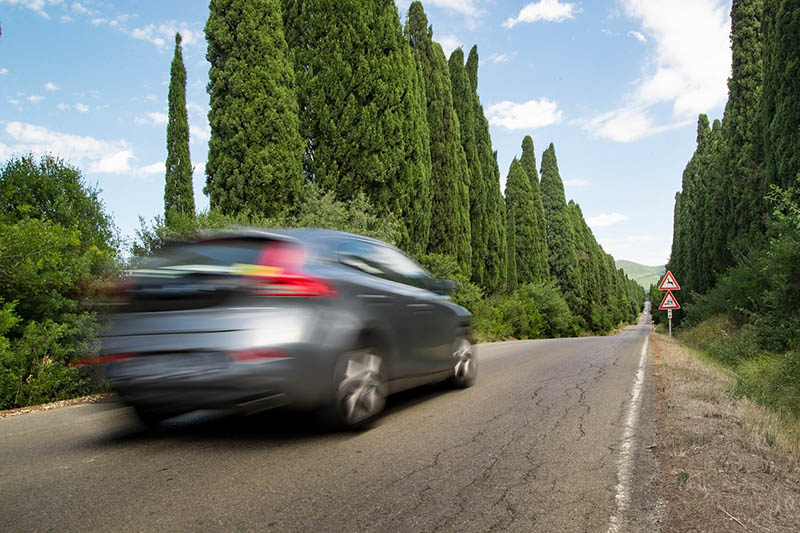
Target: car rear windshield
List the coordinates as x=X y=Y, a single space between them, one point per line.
x=221 y=252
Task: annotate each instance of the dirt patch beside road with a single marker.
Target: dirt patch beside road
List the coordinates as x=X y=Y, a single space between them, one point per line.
x=725 y=463
x=94 y=398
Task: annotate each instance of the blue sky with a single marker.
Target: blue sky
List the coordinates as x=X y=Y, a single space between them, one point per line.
x=616 y=85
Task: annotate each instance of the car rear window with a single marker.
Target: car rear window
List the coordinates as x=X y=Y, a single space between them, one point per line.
x=222 y=252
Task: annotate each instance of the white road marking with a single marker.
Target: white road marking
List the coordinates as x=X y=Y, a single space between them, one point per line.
x=626 y=449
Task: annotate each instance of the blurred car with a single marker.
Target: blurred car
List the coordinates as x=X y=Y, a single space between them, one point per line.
x=254 y=319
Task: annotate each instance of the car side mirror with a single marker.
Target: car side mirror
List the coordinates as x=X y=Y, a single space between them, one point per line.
x=443 y=286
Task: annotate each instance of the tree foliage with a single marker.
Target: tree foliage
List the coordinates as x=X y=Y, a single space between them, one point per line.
x=563 y=258
x=178 y=189
x=255 y=151
x=464 y=99
x=497 y=255
x=362 y=108
x=523 y=230
x=539 y=252
x=57 y=254
x=450 y=225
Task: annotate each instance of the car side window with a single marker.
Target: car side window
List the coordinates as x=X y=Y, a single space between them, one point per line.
x=360 y=255
x=401 y=268
x=384 y=262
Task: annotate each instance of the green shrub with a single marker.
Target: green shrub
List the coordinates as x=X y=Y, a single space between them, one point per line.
x=558 y=321
x=57 y=256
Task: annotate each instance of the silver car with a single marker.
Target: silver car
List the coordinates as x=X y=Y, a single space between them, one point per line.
x=254 y=319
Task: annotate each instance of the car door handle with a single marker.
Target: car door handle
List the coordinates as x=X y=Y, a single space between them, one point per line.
x=376 y=298
x=420 y=307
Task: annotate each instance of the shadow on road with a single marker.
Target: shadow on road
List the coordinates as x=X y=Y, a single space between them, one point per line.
x=276 y=426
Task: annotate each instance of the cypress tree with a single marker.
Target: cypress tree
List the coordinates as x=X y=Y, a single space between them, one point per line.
x=450 y=225
x=522 y=224
x=178 y=190
x=498 y=258
x=362 y=111
x=692 y=247
x=464 y=102
x=255 y=151
x=563 y=258
x=743 y=165
x=539 y=259
x=781 y=94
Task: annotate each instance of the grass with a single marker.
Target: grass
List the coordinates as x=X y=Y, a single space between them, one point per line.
x=727 y=462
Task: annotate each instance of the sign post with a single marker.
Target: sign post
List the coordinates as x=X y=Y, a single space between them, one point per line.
x=669 y=284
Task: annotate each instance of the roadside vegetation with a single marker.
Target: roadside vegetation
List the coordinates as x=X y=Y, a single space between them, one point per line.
x=331 y=115
x=727 y=463
x=736 y=242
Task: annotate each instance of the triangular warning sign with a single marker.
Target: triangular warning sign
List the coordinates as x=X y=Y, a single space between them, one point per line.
x=669 y=302
x=669 y=283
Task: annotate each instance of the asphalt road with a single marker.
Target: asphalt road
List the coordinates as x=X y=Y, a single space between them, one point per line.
x=544 y=441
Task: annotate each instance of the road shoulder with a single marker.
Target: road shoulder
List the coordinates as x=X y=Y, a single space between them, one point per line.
x=723 y=466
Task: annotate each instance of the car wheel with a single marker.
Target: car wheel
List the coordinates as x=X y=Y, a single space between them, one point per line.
x=360 y=388
x=465 y=364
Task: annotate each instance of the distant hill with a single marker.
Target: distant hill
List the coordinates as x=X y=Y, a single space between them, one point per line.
x=644 y=275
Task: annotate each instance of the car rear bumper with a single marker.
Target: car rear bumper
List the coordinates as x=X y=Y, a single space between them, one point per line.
x=298 y=376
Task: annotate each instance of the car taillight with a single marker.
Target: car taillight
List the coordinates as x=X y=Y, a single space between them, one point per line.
x=256 y=355
x=280 y=273
x=101 y=359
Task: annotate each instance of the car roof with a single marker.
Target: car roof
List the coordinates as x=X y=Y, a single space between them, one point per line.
x=300 y=234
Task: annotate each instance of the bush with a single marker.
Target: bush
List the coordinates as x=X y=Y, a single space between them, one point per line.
x=57 y=255
x=558 y=321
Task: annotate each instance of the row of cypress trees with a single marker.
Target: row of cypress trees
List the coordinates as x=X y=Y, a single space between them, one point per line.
x=723 y=209
x=343 y=96
x=549 y=240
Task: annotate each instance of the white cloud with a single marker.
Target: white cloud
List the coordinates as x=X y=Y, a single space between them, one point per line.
x=577 y=183
x=38 y=6
x=526 y=115
x=50 y=86
x=499 y=58
x=449 y=43
x=163 y=34
x=35 y=98
x=81 y=108
x=194 y=107
x=465 y=7
x=62 y=107
x=13 y=101
x=200 y=133
x=643 y=249
x=5 y=152
x=639 y=37
x=155 y=168
x=118 y=163
x=690 y=67
x=112 y=157
x=81 y=9
x=605 y=220
x=545 y=10
x=153 y=118
x=3 y=71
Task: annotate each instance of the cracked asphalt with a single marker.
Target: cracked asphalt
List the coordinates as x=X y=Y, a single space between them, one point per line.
x=531 y=447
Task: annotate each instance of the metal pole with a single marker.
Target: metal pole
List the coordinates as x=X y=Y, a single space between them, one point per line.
x=669 y=314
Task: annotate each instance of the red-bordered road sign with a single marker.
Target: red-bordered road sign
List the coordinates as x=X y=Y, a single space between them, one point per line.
x=669 y=283
x=669 y=302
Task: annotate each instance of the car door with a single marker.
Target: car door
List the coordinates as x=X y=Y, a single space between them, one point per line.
x=430 y=318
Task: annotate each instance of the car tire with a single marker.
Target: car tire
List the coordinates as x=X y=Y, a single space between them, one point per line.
x=465 y=364
x=360 y=389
